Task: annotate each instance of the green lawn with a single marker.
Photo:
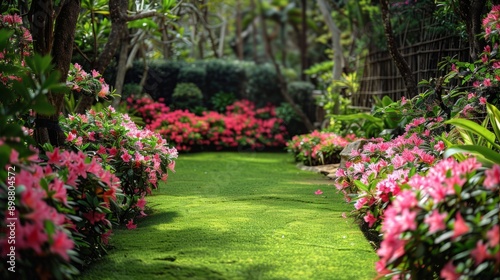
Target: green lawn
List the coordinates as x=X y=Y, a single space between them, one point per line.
x=231 y=215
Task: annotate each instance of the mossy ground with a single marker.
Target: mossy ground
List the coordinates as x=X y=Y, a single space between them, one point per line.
x=240 y=215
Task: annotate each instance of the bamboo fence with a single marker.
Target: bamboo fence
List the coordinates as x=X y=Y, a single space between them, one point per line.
x=381 y=76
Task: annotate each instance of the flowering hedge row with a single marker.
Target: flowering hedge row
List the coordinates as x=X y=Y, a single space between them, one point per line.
x=58 y=205
x=433 y=213
x=139 y=157
x=57 y=209
x=317 y=148
x=242 y=125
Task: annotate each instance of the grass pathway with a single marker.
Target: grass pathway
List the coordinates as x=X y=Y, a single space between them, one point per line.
x=240 y=216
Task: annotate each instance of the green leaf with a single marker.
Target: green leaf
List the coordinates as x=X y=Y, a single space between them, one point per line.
x=39 y=64
x=484 y=154
x=361 y=186
x=494 y=115
x=474 y=128
x=41 y=105
x=386 y=100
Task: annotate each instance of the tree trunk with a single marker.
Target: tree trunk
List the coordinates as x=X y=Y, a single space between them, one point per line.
x=121 y=71
x=303 y=41
x=239 y=39
x=254 y=32
x=281 y=79
x=470 y=12
x=338 y=57
x=117 y=13
x=59 y=42
x=42 y=25
x=403 y=67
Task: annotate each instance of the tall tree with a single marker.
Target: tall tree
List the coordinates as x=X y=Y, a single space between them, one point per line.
x=338 y=57
x=399 y=60
x=303 y=40
x=281 y=78
x=53 y=29
x=118 y=13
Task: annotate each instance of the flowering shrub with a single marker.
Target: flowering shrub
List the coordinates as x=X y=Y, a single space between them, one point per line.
x=139 y=157
x=88 y=84
x=444 y=223
x=58 y=211
x=373 y=176
x=318 y=147
x=241 y=126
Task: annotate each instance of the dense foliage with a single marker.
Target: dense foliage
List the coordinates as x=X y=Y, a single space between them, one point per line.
x=241 y=126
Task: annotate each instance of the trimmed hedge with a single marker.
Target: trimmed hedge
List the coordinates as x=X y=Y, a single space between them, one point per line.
x=245 y=80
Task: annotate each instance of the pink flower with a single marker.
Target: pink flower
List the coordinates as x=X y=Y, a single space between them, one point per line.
x=460 y=227
x=479 y=253
x=104 y=91
x=61 y=245
x=404 y=100
x=54 y=157
x=436 y=221
x=14 y=156
x=492 y=179
x=449 y=272
x=370 y=219
x=454 y=68
x=141 y=202
x=439 y=146
x=484 y=58
x=482 y=100
x=70 y=137
x=94 y=217
x=59 y=190
x=91 y=136
x=95 y=73
x=494 y=236
x=126 y=157
x=318 y=192
x=79 y=141
x=113 y=151
x=487 y=82
x=105 y=236
x=131 y=225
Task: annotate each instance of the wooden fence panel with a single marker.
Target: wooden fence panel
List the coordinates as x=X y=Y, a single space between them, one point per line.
x=381 y=76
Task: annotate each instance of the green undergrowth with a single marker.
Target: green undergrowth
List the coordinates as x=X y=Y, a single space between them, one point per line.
x=240 y=215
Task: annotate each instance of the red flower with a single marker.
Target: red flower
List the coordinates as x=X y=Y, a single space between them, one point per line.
x=460 y=228
x=131 y=225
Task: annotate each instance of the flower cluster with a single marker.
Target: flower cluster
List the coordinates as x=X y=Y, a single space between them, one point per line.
x=139 y=157
x=20 y=42
x=444 y=222
x=147 y=108
x=92 y=84
x=375 y=173
x=241 y=126
x=317 y=148
x=60 y=210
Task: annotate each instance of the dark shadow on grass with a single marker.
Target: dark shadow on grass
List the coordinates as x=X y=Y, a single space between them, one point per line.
x=159 y=252
x=156 y=217
x=259 y=272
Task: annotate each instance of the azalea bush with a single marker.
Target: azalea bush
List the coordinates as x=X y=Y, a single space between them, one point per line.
x=317 y=148
x=374 y=174
x=82 y=83
x=139 y=157
x=444 y=223
x=58 y=210
x=242 y=125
